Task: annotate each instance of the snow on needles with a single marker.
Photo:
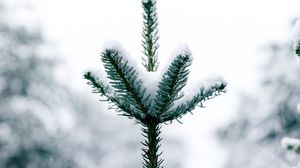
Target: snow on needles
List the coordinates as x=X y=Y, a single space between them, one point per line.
x=150 y=80
x=181 y=49
x=192 y=88
x=290 y=143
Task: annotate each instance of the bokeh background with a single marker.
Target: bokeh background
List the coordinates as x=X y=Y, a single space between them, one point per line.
x=50 y=119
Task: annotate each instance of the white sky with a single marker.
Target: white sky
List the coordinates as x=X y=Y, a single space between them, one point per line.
x=224 y=37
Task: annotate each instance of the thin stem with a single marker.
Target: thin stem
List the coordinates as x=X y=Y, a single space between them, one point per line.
x=151 y=153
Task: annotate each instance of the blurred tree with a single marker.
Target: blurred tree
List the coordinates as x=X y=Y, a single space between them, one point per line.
x=28 y=93
x=44 y=124
x=267 y=116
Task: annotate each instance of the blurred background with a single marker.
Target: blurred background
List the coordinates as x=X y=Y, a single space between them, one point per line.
x=50 y=119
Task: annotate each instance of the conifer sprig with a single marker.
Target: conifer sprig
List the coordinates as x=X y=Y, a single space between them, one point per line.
x=105 y=91
x=204 y=94
x=150 y=35
x=172 y=83
x=128 y=96
x=123 y=78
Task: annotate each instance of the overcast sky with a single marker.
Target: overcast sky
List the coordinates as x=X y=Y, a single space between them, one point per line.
x=225 y=37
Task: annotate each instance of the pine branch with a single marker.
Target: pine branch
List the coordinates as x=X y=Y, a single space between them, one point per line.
x=129 y=97
x=97 y=85
x=203 y=95
x=172 y=83
x=150 y=36
x=123 y=78
x=107 y=92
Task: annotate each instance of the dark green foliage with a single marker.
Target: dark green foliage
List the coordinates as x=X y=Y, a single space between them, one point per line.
x=118 y=103
x=128 y=95
x=203 y=95
x=151 y=151
x=150 y=36
x=124 y=81
x=297 y=50
x=172 y=83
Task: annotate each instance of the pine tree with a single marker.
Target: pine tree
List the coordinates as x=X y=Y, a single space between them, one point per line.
x=293 y=144
x=127 y=94
x=28 y=90
x=269 y=115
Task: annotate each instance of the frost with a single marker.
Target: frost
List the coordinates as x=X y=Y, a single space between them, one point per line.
x=182 y=49
x=290 y=143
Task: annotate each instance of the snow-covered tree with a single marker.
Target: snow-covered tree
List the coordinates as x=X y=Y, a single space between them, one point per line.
x=267 y=115
x=28 y=94
x=149 y=106
x=293 y=144
x=43 y=123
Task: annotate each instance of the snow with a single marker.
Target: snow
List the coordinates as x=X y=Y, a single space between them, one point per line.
x=211 y=80
x=286 y=142
x=298 y=108
x=150 y=79
x=192 y=88
x=182 y=49
x=115 y=45
x=99 y=74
